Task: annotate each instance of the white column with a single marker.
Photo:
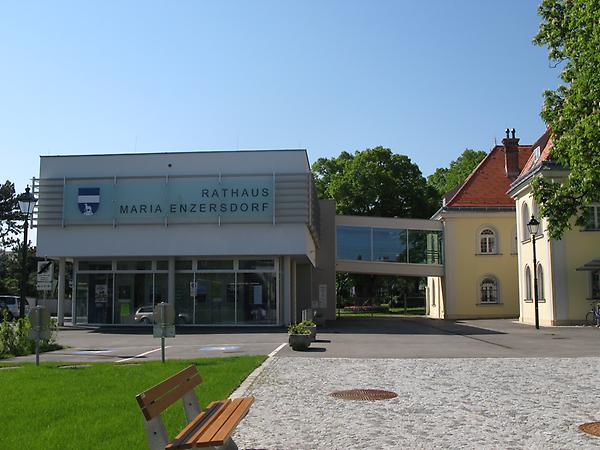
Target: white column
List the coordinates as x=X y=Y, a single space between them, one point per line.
x=293 y=291
x=61 y=292
x=74 y=295
x=286 y=299
x=171 y=279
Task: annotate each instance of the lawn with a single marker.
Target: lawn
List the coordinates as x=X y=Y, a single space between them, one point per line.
x=94 y=407
x=412 y=311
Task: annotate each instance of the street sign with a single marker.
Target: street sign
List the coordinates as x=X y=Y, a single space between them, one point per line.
x=164 y=324
x=45 y=271
x=164 y=314
x=40 y=323
x=167 y=331
x=44 y=286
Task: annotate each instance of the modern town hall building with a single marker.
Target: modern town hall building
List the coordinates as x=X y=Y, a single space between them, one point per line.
x=231 y=238
x=235 y=238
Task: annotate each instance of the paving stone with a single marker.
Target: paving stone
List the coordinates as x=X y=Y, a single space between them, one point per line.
x=472 y=403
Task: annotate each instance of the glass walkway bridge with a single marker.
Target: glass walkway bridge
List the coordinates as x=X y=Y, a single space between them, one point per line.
x=389 y=246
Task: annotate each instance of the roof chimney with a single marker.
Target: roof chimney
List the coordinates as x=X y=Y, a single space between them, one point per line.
x=511 y=154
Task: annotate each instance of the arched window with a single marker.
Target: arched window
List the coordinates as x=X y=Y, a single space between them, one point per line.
x=540 y=282
x=487 y=241
x=489 y=290
x=535 y=211
x=528 y=283
x=525 y=219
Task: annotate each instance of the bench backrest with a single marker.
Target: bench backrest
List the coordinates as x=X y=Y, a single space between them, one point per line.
x=158 y=398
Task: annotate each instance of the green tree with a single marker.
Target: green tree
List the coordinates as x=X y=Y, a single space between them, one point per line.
x=10 y=271
x=445 y=179
x=375 y=182
x=571 y=31
x=10 y=215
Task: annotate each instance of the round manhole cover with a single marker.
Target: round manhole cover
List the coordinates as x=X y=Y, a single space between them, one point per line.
x=364 y=394
x=592 y=428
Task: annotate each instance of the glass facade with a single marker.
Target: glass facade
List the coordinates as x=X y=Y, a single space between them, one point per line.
x=389 y=245
x=207 y=292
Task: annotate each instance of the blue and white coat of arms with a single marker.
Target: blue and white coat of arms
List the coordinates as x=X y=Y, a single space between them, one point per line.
x=88 y=200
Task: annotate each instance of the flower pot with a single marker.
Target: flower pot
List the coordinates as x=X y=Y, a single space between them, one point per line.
x=299 y=342
x=313 y=333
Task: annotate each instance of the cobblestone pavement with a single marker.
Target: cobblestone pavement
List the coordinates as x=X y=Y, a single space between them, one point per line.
x=474 y=403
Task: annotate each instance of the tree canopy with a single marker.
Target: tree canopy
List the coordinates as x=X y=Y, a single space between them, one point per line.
x=571 y=31
x=10 y=215
x=445 y=179
x=375 y=182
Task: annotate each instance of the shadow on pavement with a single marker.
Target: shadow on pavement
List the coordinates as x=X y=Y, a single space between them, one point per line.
x=343 y=325
x=401 y=325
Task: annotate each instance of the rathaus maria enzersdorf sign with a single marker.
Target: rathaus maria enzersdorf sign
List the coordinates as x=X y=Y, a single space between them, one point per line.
x=155 y=200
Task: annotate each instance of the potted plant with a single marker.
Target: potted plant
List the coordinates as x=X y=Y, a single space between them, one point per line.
x=312 y=327
x=299 y=336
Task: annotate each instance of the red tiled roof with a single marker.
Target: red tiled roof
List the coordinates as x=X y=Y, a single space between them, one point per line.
x=488 y=183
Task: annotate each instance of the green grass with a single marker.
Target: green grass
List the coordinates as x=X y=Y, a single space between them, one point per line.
x=94 y=407
x=415 y=311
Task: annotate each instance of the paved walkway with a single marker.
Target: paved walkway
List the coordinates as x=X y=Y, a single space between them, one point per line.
x=485 y=384
x=487 y=403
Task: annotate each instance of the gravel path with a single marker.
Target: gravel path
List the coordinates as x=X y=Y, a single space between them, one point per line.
x=532 y=403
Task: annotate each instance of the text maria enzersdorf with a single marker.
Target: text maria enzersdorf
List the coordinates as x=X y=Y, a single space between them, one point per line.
x=224 y=200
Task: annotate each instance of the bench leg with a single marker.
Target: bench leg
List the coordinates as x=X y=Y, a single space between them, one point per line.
x=228 y=445
x=190 y=405
x=156 y=433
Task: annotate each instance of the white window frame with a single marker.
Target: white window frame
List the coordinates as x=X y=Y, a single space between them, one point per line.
x=528 y=284
x=525 y=220
x=486 y=300
x=540 y=280
x=595 y=225
x=488 y=241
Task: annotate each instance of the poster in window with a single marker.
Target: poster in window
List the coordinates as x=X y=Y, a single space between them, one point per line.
x=101 y=292
x=257 y=294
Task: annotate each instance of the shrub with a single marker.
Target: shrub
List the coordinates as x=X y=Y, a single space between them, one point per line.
x=308 y=323
x=14 y=337
x=298 y=328
x=368 y=309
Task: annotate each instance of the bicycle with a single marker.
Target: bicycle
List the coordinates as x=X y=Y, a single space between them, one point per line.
x=593 y=316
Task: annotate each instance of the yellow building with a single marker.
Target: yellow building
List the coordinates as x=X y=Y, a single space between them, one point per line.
x=567 y=270
x=480 y=241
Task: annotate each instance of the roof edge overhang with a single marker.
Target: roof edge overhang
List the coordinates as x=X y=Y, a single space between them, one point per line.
x=546 y=169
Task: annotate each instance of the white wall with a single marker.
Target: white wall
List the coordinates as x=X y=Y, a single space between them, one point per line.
x=175 y=240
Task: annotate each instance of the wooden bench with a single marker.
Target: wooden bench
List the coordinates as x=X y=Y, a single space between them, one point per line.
x=210 y=428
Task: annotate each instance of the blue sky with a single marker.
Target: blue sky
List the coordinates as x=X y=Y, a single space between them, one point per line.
x=426 y=79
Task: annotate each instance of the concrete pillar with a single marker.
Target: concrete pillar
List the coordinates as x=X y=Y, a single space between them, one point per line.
x=293 y=292
x=74 y=295
x=286 y=300
x=61 y=292
x=171 y=280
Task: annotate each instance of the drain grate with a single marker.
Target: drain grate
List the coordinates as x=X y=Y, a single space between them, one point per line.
x=592 y=428
x=364 y=394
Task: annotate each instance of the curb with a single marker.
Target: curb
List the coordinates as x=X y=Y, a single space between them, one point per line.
x=243 y=388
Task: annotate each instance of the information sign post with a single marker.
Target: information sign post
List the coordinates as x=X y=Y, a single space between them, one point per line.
x=164 y=324
x=40 y=328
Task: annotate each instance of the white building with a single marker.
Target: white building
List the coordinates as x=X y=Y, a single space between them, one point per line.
x=235 y=238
